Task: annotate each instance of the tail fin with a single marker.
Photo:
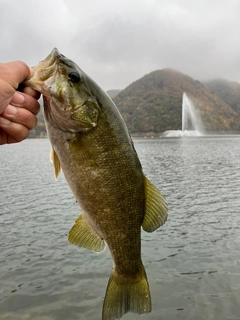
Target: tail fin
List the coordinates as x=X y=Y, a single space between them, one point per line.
x=126 y=295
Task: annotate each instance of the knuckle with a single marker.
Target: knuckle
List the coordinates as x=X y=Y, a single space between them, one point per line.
x=35 y=122
x=22 y=134
x=18 y=132
x=29 y=120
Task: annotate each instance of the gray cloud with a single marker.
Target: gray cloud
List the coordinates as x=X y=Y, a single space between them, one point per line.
x=117 y=42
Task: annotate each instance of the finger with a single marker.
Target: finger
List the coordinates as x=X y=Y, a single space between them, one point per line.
x=23 y=100
x=3 y=136
x=19 y=69
x=31 y=92
x=6 y=138
x=19 y=116
x=12 y=132
x=6 y=93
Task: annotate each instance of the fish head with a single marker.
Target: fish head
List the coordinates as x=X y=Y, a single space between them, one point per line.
x=69 y=104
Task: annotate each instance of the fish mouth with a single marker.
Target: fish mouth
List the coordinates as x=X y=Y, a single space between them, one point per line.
x=45 y=70
x=48 y=61
x=46 y=67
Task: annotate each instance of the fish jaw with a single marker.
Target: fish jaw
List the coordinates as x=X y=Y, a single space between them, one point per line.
x=43 y=72
x=69 y=104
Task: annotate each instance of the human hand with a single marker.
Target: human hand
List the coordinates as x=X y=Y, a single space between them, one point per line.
x=18 y=110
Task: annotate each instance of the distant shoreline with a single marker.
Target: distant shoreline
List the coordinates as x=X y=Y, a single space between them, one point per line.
x=151 y=135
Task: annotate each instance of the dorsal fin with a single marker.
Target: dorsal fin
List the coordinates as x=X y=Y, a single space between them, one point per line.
x=155 y=208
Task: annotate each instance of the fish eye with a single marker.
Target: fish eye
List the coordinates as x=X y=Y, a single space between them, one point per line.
x=74 y=76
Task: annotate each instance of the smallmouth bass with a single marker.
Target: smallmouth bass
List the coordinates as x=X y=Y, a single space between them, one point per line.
x=91 y=145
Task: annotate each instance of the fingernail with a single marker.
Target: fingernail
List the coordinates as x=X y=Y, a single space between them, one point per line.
x=18 y=98
x=11 y=110
x=4 y=121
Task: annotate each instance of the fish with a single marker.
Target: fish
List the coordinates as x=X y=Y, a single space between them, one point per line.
x=91 y=145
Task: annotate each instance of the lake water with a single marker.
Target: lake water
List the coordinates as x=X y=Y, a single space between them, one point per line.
x=192 y=262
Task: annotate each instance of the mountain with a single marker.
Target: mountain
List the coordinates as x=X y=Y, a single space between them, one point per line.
x=228 y=91
x=154 y=104
x=113 y=93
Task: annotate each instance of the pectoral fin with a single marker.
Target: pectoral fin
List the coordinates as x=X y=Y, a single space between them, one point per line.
x=155 y=208
x=56 y=163
x=83 y=235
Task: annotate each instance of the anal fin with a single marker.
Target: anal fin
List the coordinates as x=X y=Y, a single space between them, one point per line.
x=155 y=208
x=83 y=235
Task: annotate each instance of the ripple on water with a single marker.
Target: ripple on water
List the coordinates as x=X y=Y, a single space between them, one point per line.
x=192 y=262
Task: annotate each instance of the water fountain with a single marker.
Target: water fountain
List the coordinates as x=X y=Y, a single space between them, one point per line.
x=191 y=124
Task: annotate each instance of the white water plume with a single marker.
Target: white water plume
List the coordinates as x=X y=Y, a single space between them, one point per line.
x=191 y=123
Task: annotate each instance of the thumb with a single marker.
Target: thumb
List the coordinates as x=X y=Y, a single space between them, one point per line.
x=15 y=72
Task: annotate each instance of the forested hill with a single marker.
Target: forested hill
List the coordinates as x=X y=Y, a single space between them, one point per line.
x=228 y=91
x=154 y=104
x=113 y=93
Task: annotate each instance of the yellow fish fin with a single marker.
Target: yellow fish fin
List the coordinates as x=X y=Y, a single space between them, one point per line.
x=155 y=208
x=83 y=235
x=126 y=294
x=56 y=163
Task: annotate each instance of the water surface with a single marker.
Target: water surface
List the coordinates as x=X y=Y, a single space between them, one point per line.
x=193 y=262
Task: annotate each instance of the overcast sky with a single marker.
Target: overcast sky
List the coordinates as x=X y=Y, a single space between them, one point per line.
x=118 y=41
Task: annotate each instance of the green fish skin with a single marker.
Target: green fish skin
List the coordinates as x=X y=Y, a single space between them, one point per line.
x=92 y=146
